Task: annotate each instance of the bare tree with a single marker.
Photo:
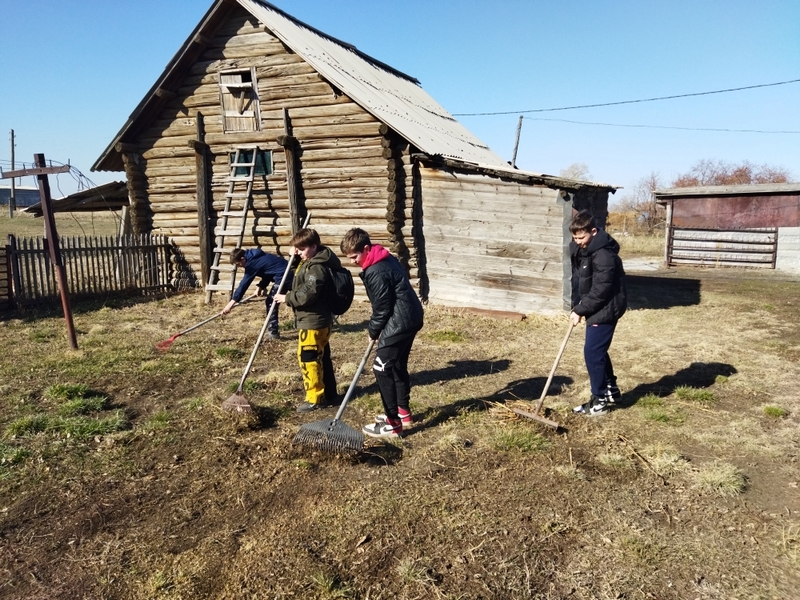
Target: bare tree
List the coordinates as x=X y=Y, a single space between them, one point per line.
x=718 y=172
x=578 y=171
x=638 y=208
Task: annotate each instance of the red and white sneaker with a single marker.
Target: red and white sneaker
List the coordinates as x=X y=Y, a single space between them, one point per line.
x=405 y=418
x=383 y=430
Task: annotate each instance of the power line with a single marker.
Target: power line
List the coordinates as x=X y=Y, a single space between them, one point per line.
x=662 y=126
x=539 y=110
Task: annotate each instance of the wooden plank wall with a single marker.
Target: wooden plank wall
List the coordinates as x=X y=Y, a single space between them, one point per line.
x=492 y=244
x=754 y=248
x=788 y=258
x=344 y=163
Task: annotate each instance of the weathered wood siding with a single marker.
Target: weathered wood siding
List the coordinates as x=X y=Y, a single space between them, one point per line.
x=731 y=248
x=736 y=212
x=788 y=258
x=493 y=244
x=345 y=167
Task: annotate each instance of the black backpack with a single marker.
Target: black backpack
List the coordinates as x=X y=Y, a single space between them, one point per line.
x=341 y=290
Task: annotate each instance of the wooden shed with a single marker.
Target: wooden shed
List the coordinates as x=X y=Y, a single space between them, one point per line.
x=331 y=131
x=754 y=226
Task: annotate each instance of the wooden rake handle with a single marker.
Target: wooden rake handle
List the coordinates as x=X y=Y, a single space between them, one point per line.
x=555 y=366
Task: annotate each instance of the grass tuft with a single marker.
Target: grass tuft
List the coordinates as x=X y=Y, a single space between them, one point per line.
x=410 y=571
x=229 y=353
x=722 y=479
x=331 y=587
x=571 y=472
x=29 y=425
x=776 y=412
x=650 y=401
x=691 y=394
x=519 y=439
x=66 y=391
x=446 y=336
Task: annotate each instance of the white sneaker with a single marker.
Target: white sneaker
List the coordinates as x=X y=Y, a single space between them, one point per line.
x=382 y=430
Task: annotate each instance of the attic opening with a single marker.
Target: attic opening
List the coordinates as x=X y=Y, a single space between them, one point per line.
x=238 y=91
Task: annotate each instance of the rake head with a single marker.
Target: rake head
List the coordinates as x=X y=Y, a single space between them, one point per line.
x=237 y=403
x=165 y=345
x=330 y=436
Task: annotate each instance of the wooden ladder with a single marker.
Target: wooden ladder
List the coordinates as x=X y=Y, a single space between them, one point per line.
x=231 y=226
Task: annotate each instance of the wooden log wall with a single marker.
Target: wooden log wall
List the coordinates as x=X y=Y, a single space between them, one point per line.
x=493 y=244
x=351 y=168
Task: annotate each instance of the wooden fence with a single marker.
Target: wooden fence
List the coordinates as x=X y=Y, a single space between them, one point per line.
x=93 y=265
x=6 y=297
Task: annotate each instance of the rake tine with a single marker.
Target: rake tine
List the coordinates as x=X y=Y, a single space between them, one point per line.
x=333 y=435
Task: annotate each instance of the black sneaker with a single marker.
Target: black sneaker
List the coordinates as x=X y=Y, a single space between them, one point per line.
x=273 y=335
x=307 y=407
x=612 y=394
x=595 y=406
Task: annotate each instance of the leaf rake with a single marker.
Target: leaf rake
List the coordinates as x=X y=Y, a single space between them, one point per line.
x=333 y=435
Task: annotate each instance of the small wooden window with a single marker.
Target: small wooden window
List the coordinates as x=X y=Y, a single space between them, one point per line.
x=263 y=162
x=239 y=99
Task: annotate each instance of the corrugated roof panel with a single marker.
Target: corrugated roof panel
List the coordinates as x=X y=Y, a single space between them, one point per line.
x=397 y=101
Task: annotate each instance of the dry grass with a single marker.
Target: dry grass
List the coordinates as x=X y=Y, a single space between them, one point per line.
x=687 y=490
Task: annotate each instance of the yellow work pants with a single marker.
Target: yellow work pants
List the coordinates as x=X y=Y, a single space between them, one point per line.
x=314 y=356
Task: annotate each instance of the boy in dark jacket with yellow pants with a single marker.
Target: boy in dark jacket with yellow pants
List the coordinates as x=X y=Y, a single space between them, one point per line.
x=599 y=296
x=396 y=318
x=314 y=318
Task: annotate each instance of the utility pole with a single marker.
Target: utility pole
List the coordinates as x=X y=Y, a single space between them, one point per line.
x=516 y=144
x=41 y=171
x=12 y=201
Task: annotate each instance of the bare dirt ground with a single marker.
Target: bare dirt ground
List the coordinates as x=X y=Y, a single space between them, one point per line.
x=689 y=489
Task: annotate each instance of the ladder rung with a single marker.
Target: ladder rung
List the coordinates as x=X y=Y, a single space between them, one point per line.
x=243 y=164
x=237 y=195
x=229 y=232
x=242 y=178
x=232 y=213
x=221 y=268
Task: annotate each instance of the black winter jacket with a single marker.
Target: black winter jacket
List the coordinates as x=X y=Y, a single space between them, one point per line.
x=396 y=309
x=598 y=280
x=309 y=297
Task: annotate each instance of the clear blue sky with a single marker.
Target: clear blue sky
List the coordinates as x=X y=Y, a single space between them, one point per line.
x=73 y=71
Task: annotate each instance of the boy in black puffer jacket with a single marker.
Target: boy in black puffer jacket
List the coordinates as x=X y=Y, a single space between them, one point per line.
x=599 y=296
x=396 y=318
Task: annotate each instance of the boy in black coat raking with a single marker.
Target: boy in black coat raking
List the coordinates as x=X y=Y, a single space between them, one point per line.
x=396 y=318
x=599 y=296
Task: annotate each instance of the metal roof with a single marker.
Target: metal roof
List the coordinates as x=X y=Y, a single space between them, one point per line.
x=109 y=196
x=730 y=190
x=391 y=96
x=393 y=99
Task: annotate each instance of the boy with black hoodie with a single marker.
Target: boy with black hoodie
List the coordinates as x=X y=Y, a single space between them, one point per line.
x=599 y=296
x=314 y=318
x=396 y=318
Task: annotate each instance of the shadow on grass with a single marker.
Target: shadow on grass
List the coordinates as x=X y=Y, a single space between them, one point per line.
x=696 y=375
x=661 y=292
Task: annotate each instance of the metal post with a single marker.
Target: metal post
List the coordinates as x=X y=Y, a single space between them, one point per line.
x=12 y=201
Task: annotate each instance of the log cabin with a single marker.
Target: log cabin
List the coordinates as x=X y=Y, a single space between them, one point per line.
x=338 y=134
